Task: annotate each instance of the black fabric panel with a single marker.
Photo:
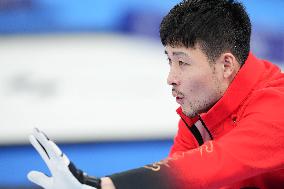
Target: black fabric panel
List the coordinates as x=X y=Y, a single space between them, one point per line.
x=205 y=127
x=142 y=178
x=197 y=134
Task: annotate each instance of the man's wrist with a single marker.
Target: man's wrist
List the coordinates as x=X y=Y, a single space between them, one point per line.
x=106 y=183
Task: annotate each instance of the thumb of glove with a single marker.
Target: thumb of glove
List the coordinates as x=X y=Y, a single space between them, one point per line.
x=40 y=179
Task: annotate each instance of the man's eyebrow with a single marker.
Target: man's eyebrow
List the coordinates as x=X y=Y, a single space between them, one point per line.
x=179 y=53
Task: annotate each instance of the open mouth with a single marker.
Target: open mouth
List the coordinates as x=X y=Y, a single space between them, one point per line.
x=179 y=100
x=178 y=95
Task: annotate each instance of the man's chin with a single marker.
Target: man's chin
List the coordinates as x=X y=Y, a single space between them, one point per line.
x=188 y=113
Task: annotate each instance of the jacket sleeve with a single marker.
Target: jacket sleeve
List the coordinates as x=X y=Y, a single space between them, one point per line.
x=254 y=147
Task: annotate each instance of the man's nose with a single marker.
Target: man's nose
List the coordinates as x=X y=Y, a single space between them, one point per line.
x=173 y=77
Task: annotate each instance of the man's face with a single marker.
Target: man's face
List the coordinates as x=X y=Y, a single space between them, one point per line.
x=196 y=83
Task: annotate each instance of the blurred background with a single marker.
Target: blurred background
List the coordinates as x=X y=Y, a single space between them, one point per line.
x=92 y=75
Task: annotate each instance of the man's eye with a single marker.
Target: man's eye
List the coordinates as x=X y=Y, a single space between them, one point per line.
x=169 y=61
x=181 y=63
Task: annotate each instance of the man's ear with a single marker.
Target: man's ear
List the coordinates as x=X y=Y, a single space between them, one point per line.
x=230 y=65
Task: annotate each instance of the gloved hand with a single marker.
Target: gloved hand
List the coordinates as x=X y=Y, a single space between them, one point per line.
x=64 y=174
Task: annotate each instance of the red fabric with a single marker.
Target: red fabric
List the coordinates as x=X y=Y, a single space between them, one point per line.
x=247 y=125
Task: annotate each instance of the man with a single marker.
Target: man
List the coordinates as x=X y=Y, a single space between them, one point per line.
x=231 y=131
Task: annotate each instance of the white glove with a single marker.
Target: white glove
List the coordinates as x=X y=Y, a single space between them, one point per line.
x=64 y=174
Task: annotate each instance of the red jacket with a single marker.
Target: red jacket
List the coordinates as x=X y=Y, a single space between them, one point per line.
x=243 y=135
x=237 y=144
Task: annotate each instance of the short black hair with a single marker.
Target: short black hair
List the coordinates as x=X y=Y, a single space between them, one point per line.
x=216 y=25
